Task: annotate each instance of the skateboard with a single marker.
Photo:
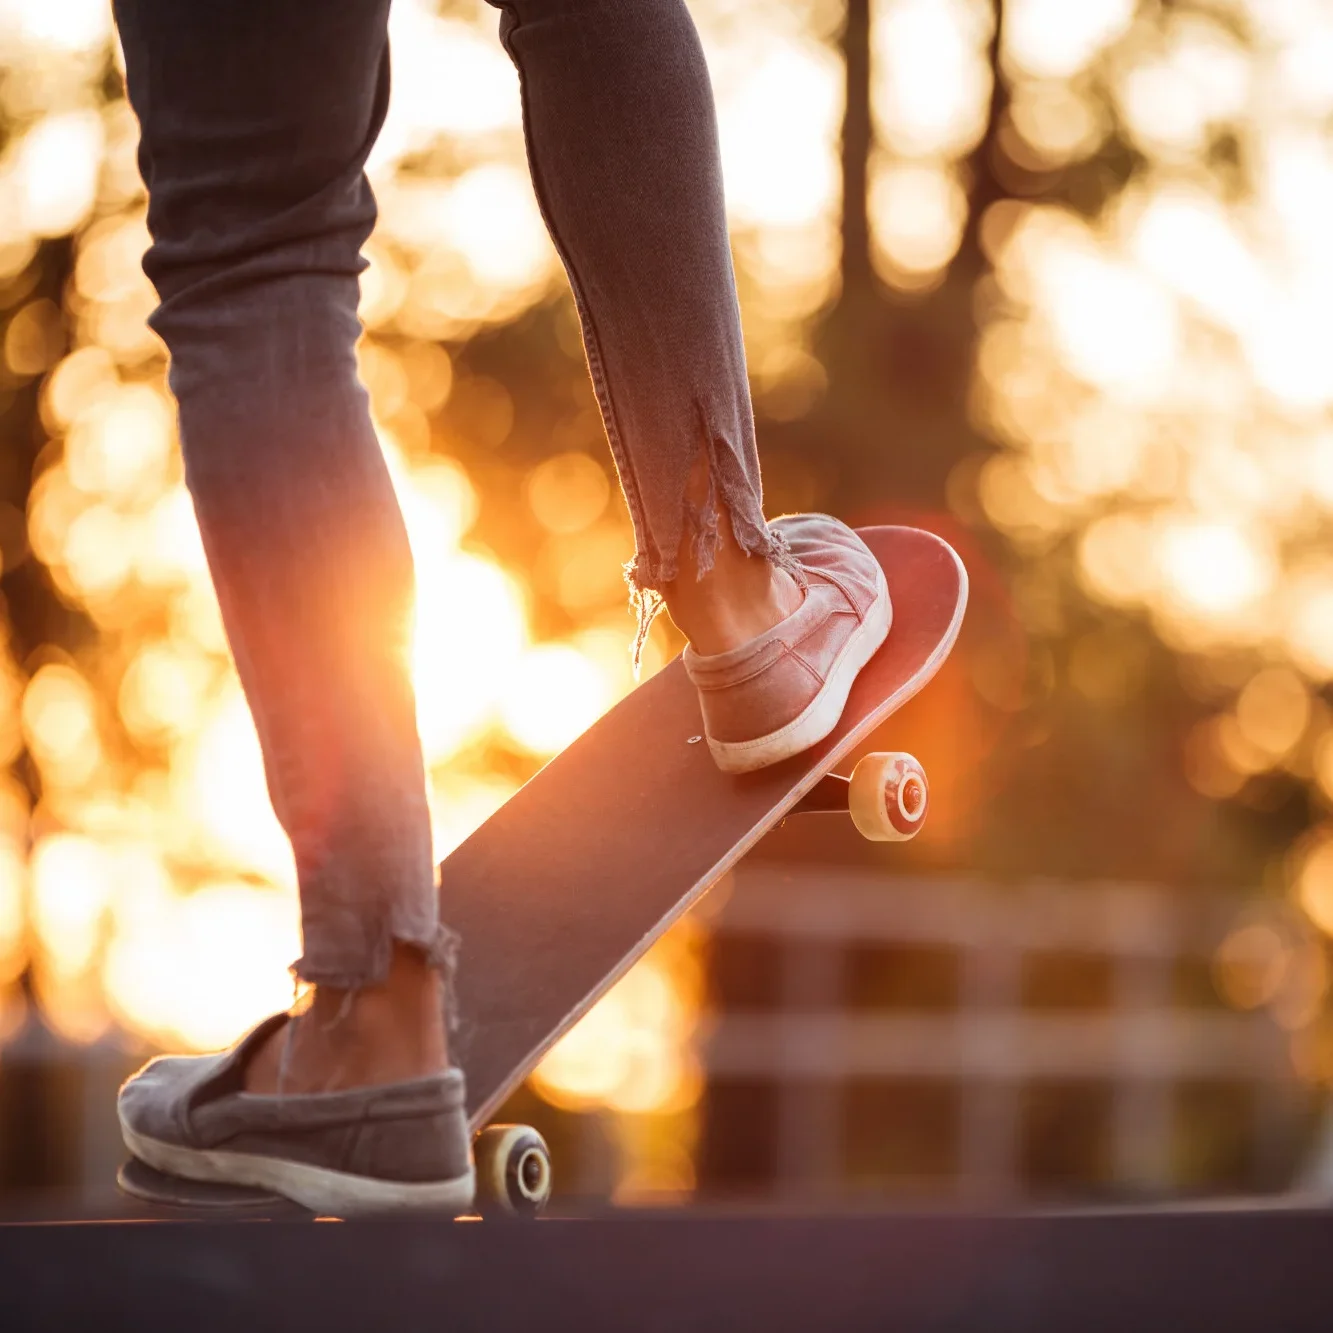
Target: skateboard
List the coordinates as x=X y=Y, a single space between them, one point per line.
x=570 y=882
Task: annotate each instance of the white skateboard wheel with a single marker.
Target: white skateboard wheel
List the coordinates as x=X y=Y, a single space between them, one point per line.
x=888 y=797
x=513 y=1170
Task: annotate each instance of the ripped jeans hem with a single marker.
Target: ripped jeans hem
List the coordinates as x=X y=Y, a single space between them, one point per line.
x=645 y=576
x=440 y=951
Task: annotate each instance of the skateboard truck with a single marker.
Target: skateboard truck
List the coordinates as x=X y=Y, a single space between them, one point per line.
x=887 y=797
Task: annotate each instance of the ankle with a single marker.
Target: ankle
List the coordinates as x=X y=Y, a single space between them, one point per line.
x=412 y=991
x=731 y=604
x=343 y=1038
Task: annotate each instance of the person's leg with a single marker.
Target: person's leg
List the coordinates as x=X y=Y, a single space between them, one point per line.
x=622 y=145
x=257 y=116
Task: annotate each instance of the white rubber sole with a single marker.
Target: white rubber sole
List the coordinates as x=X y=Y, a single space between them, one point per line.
x=821 y=714
x=329 y=1193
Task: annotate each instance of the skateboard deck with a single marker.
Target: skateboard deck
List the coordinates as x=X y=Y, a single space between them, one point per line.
x=570 y=882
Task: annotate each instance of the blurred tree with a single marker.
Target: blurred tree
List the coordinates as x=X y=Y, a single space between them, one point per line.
x=1084 y=713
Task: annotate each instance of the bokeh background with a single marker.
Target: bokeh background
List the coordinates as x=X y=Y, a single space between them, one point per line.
x=1054 y=280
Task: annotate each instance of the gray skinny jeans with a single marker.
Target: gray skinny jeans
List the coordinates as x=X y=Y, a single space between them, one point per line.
x=257 y=117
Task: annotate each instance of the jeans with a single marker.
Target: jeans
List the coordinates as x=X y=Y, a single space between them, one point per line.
x=257 y=117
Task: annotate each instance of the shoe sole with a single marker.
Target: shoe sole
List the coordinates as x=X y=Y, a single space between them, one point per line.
x=329 y=1193
x=821 y=714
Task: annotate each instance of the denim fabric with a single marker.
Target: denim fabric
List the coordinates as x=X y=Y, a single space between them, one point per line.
x=257 y=117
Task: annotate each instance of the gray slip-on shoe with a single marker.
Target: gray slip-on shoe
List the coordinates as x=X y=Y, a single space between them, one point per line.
x=785 y=690
x=397 y=1146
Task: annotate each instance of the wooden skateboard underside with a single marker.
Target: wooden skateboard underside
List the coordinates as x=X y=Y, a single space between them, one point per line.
x=571 y=881
x=560 y=891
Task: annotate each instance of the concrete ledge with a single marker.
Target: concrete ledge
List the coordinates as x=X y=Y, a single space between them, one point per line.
x=1238 y=1266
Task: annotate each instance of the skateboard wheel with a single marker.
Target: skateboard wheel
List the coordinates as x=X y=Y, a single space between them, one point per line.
x=513 y=1170
x=888 y=797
